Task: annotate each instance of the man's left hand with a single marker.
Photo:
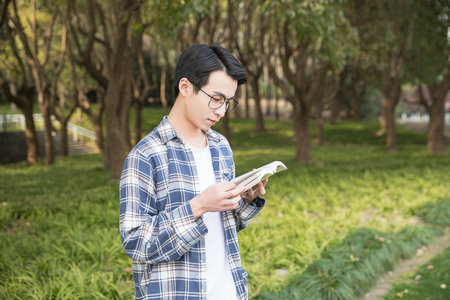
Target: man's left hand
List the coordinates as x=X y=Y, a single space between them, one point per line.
x=254 y=192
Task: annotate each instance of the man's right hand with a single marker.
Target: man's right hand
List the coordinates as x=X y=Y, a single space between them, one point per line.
x=218 y=197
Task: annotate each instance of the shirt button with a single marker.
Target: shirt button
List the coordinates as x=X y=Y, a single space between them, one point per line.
x=203 y=290
x=201 y=260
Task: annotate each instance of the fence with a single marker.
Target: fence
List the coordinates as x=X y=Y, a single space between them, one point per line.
x=16 y=122
x=418 y=117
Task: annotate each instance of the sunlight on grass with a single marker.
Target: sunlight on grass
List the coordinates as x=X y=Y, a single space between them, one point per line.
x=60 y=236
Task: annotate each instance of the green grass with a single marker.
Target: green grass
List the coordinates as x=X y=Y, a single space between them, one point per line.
x=431 y=282
x=325 y=227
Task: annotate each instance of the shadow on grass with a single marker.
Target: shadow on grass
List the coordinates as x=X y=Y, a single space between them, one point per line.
x=437 y=213
x=63 y=188
x=347 y=269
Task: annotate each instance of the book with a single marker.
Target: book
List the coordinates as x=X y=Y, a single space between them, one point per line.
x=252 y=178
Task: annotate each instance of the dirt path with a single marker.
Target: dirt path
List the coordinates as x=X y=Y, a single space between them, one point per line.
x=424 y=254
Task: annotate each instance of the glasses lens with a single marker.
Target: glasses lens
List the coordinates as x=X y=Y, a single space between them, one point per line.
x=231 y=105
x=216 y=102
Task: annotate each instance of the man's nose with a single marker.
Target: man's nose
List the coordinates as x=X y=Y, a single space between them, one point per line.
x=221 y=110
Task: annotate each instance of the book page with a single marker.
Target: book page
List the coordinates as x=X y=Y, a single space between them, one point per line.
x=252 y=178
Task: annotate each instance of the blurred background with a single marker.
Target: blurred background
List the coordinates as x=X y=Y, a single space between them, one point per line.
x=352 y=95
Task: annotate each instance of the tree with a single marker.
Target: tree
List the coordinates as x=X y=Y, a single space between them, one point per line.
x=39 y=58
x=386 y=37
x=142 y=88
x=433 y=98
x=3 y=11
x=249 y=42
x=111 y=29
x=17 y=85
x=429 y=66
x=309 y=37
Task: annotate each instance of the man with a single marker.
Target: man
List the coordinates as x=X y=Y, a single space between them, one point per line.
x=179 y=212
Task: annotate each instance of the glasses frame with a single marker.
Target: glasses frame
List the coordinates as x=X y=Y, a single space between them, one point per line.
x=226 y=100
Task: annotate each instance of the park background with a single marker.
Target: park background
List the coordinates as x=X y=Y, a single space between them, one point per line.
x=351 y=95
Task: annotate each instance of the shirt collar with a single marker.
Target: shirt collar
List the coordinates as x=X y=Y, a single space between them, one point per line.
x=167 y=133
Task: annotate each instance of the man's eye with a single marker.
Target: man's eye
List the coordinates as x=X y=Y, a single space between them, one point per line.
x=218 y=99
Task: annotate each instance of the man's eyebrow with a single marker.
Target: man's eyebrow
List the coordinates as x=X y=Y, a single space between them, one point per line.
x=219 y=93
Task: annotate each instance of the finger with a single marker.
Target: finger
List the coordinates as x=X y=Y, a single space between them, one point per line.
x=233 y=193
x=261 y=189
x=264 y=182
x=251 y=193
x=231 y=203
x=228 y=185
x=236 y=192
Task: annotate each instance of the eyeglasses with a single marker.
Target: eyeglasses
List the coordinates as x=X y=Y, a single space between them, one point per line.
x=216 y=101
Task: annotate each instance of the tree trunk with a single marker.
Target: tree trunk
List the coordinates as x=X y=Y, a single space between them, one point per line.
x=116 y=147
x=436 y=132
x=354 y=104
x=44 y=106
x=383 y=117
x=63 y=139
x=30 y=132
x=225 y=126
x=388 y=120
x=319 y=120
x=356 y=94
x=302 y=136
x=97 y=121
x=118 y=98
x=277 y=110
x=138 y=121
x=162 y=89
x=258 y=111
x=437 y=94
x=338 y=99
x=246 y=101
x=26 y=107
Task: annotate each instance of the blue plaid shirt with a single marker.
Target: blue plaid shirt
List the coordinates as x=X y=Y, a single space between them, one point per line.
x=157 y=226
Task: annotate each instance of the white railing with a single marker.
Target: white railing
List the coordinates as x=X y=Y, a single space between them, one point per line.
x=16 y=122
x=418 y=117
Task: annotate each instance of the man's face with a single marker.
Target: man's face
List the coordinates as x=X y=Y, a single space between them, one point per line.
x=198 y=111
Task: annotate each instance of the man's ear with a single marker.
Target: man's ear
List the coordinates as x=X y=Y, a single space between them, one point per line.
x=184 y=86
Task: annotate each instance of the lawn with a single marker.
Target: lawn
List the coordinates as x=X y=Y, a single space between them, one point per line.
x=430 y=282
x=328 y=229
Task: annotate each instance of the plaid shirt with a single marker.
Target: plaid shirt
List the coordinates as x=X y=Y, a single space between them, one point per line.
x=157 y=225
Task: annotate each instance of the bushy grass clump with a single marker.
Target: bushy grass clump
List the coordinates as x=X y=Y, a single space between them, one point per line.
x=348 y=270
x=59 y=224
x=437 y=213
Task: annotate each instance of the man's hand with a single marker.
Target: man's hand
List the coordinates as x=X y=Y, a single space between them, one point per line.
x=255 y=191
x=218 y=197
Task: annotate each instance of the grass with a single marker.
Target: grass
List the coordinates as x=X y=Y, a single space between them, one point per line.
x=347 y=216
x=430 y=282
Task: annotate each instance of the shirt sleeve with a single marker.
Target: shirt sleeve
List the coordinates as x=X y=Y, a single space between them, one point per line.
x=245 y=212
x=147 y=234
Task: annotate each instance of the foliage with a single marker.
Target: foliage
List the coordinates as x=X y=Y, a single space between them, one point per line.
x=437 y=213
x=347 y=270
x=58 y=242
x=321 y=25
x=429 y=58
x=430 y=282
x=59 y=225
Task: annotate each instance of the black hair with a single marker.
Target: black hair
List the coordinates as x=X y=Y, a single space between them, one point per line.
x=198 y=61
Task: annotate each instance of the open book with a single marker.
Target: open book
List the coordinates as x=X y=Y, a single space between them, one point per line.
x=252 y=178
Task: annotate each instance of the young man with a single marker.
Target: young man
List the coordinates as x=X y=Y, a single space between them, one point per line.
x=179 y=212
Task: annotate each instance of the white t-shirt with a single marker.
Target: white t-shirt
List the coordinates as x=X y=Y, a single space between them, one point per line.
x=219 y=280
